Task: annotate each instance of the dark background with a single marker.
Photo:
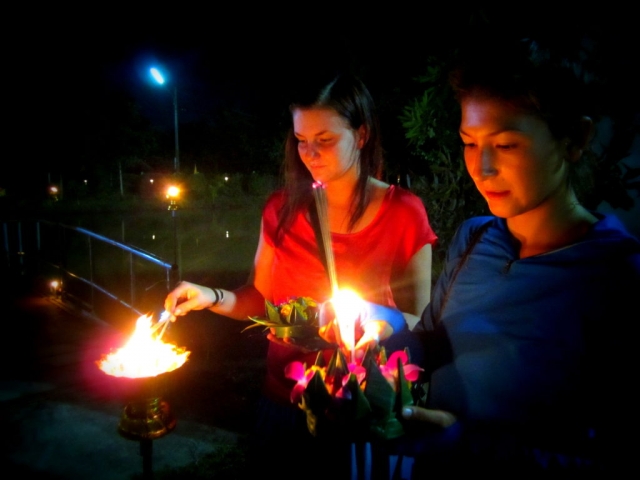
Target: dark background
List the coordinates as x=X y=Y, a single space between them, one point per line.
x=66 y=68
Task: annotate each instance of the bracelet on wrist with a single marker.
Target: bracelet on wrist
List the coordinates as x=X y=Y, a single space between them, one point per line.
x=219 y=297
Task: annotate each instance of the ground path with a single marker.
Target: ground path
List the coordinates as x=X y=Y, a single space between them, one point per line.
x=60 y=412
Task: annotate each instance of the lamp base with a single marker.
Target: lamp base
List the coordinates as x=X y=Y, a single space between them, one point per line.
x=147 y=419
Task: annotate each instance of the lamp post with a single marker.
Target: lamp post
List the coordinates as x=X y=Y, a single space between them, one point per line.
x=158 y=77
x=172 y=194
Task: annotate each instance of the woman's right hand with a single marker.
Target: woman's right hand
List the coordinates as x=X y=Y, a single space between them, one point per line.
x=188 y=296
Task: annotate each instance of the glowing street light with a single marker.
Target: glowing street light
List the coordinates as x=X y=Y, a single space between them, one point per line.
x=172 y=193
x=54 y=192
x=55 y=287
x=159 y=78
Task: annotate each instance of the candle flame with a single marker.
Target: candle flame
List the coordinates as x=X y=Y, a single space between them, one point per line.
x=347 y=306
x=143 y=355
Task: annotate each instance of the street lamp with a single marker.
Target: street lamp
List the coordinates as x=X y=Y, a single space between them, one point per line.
x=158 y=77
x=54 y=192
x=173 y=193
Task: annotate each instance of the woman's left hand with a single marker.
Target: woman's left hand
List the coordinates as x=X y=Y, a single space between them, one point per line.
x=430 y=416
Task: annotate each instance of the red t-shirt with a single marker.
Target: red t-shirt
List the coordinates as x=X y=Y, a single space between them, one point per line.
x=366 y=261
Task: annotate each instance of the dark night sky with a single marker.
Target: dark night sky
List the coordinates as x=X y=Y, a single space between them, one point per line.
x=69 y=73
x=63 y=67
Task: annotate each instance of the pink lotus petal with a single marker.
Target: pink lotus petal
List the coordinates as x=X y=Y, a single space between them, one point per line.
x=412 y=372
x=390 y=370
x=389 y=374
x=359 y=371
x=393 y=358
x=296 y=392
x=295 y=371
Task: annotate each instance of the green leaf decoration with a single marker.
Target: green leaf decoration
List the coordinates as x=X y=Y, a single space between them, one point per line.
x=295 y=331
x=380 y=394
x=387 y=429
x=337 y=363
x=368 y=411
x=299 y=314
x=404 y=396
x=316 y=394
x=336 y=370
x=273 y=314
x=361 y=408
x=369 y=356
x=257 y=324
x=316 y=401
x=295 y=322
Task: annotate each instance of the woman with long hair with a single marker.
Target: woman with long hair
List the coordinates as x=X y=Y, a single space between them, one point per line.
x=380 y=238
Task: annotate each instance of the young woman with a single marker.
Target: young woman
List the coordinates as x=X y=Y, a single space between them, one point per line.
x=527 y=340
x=380 y=236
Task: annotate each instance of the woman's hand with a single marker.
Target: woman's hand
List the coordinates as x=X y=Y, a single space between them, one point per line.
x=429 y=416
x=188 y=296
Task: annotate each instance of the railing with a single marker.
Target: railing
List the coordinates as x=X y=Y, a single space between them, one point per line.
x=91 y=269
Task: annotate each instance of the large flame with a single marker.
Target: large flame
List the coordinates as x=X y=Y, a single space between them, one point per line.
x=347 y=306
x=143 y=355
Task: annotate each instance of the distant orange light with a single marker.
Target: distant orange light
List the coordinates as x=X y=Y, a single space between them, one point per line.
x=173 y=192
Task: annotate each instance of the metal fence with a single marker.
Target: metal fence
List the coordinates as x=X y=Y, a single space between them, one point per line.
x=98 y=274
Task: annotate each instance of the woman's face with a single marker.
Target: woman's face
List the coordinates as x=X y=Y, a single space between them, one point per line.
x=327 y=145
x=515 y=162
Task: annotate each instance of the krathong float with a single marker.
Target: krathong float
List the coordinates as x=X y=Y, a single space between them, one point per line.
x=359 y=399
x=294 y=322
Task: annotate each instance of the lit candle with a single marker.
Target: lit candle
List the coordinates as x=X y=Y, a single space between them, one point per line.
x=347 y=307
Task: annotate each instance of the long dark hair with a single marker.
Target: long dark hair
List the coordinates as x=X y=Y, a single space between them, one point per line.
x=350 y=98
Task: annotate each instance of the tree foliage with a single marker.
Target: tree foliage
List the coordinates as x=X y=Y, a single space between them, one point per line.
x=431 y=128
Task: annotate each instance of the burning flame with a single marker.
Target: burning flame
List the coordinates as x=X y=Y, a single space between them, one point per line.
x=143 y=355
x=347 y=305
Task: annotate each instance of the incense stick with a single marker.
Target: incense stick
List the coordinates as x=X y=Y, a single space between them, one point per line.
x=165 y=319
x=163 y=329
x=323 y=218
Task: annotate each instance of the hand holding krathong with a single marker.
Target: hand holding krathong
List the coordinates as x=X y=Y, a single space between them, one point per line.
x=429 y=416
